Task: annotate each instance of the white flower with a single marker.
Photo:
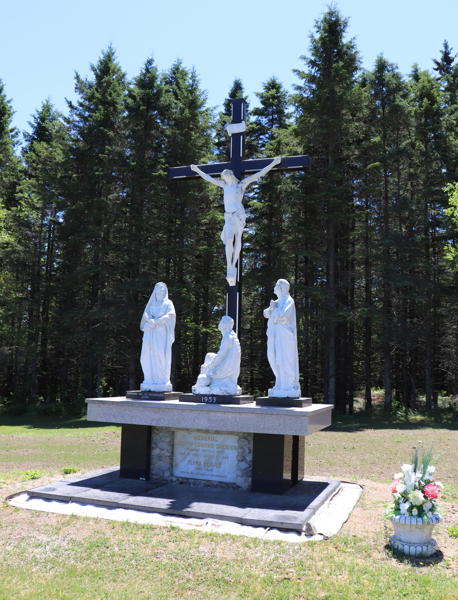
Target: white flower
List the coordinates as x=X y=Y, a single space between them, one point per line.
x=400 y=488
x=414 y=512
x=398 y=476
x=397 y=496
x=439 y=484
x=418 y=475
x=431 y=469
x=403 y=507
x=406 y=468
x=416 y=498
x=410 y=486
x=427 y=506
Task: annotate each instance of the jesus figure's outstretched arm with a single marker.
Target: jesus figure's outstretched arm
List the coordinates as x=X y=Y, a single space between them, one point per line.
x=246 y=182
x=207 y=177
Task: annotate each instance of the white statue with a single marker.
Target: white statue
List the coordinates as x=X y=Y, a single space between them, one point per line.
x=282 y=343
x=234 y=213
x=158 y=326
x=219 y=373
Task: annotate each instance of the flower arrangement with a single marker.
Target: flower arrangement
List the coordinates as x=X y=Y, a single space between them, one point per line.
x=415 y=493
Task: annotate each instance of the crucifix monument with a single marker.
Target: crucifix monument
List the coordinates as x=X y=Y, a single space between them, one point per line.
x=249 y=444
x=234 y=188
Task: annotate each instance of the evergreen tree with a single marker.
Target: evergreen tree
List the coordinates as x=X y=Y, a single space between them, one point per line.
x=328 y=103
x=387 y=125
x=36 y=217
x=144 y=193
x=12 y=281
x=428 y=189
x=94 y=207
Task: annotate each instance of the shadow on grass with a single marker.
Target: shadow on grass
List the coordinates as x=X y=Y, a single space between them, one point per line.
x=418 y=561
x=30 y=421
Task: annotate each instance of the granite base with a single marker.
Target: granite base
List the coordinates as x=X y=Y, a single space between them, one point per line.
x=213 y=399
x=291 y=511
x=285 y=402
x=149 y=395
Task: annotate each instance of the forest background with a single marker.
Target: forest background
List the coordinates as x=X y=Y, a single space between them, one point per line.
x=366 y=237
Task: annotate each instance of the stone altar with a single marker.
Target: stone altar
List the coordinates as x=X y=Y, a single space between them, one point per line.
x=149 y=430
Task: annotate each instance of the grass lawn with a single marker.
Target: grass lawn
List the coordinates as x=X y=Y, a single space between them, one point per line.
x=47 y=557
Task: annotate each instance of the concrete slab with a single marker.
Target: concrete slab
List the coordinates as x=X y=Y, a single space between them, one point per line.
x=101 y=497
x=57 y=491
x=324 y=524
x=110 y=473
x=291 y=510
x=282 y=519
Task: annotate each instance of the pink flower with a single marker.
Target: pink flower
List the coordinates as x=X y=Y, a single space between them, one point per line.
x=394 y=484
x=431 y=491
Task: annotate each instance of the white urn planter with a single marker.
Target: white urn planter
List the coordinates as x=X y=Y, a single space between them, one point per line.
x=412 y=536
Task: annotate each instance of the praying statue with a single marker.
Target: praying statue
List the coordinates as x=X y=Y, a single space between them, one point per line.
x=158 y=326
x=282 y=343
x=219 y=373
x=234 y=213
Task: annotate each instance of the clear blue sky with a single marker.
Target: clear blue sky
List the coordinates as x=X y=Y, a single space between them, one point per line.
x=43 y=42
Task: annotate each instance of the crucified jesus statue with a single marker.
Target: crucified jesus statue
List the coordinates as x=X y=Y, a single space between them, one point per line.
x=234 y=213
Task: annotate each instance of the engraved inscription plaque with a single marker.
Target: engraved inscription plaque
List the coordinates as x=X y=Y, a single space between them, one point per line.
x=201 y=455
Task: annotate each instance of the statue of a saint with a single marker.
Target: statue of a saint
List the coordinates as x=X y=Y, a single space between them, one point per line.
x=158 y=326
x=282 y=343
x=234 y=213
x=219 y=373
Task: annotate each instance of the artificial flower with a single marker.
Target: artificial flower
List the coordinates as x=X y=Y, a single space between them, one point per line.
x=431 y=491
x=417 y=498
x=403 y=507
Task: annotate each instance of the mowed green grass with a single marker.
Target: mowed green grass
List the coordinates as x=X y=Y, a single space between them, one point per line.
x=44 y=556
x=49 y=445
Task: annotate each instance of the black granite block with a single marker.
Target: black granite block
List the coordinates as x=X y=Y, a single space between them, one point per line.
x=135 y=451
x=269 y=464
x=278 y=462
x=212 y=399
x=284 y=402
x=147 y=395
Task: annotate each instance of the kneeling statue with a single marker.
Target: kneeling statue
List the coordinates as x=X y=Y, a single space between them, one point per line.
x=219 y=373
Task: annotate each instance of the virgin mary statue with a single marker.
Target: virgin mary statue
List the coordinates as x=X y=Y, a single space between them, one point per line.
x=158 y=326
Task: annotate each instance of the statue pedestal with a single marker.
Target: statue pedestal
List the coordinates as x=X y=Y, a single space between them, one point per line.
x=285 y=402
x=216 y=399
x=228 y=446
x=149 y=395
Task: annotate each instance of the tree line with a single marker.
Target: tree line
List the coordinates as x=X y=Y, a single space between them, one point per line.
x=89 y=222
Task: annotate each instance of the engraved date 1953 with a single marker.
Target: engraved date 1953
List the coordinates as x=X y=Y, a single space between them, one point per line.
x=208 y=399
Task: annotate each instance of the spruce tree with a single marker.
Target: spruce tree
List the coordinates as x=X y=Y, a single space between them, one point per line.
x=13 y=285
x=328 y=101
x=94 y=207
x=144 y=190
x=36 y=214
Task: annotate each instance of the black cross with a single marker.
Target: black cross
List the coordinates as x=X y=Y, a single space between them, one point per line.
x=240 y=168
